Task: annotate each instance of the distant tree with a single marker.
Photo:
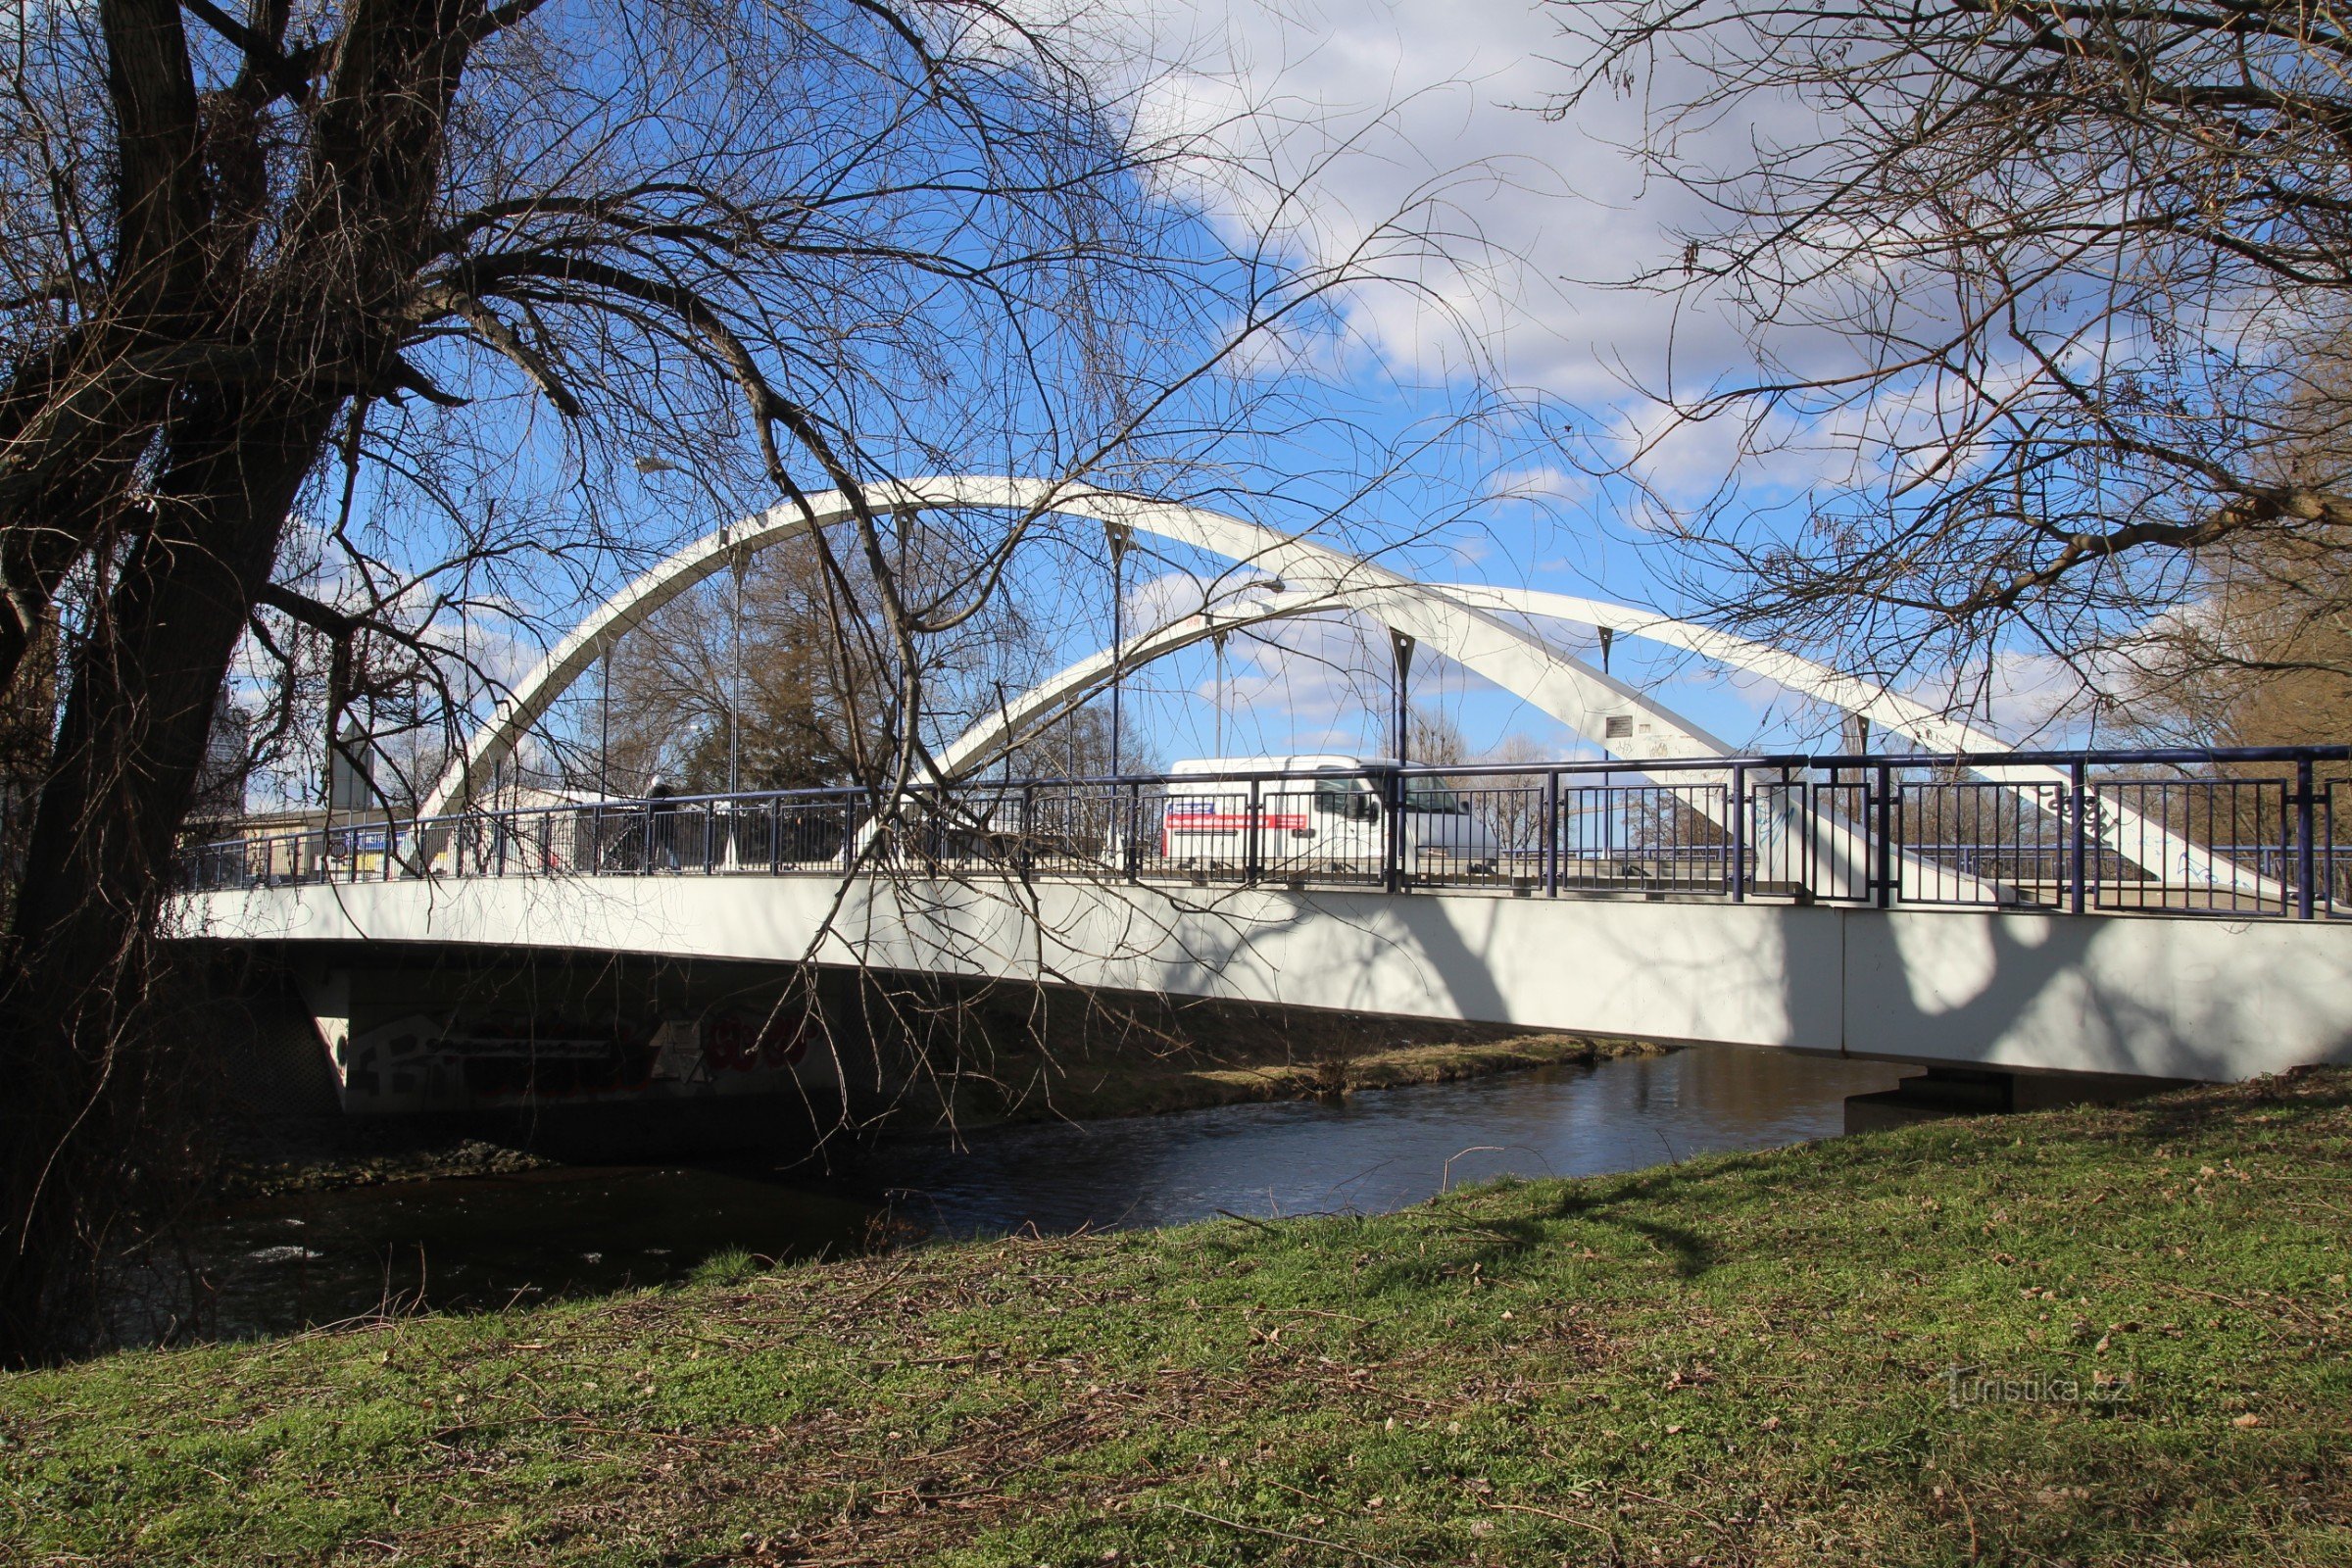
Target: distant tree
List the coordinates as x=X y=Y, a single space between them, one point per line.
x=1512 y=804
x=2261 y=654
x=1078 y=746
x=2037 y=293
x=1436 y=740
x=791 y=693
x=2259 y=650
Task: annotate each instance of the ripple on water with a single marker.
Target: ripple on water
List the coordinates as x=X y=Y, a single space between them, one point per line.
x=476 y=1242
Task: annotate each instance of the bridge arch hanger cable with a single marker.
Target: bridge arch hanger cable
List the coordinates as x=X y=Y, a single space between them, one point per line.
x=1312 y=574
x=1472 y=624
x=2136 y=838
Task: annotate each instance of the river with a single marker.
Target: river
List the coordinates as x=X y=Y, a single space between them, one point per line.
x=277 y=1264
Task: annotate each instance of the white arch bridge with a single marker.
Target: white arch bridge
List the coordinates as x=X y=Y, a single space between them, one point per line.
x=2154 y=914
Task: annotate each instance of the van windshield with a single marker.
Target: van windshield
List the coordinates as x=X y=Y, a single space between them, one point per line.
x=1433 y=795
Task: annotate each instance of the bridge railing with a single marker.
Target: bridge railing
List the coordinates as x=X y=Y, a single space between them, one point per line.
x=2244 y=834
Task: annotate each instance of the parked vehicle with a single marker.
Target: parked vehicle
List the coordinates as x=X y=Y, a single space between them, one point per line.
x=1332 y=819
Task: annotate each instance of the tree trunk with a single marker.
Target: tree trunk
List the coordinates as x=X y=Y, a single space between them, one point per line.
x=81 y=1059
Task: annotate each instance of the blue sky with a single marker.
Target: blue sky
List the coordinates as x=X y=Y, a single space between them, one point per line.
x=1380 y=104
x=1450 y=380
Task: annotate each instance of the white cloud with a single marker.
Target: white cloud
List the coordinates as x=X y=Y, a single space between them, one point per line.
x=1365 y=109
x=2031 y=699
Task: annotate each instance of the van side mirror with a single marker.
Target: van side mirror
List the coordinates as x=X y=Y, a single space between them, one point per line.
x=1363 y=808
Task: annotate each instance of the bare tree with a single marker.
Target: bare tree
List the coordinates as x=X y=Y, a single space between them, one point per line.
x=1512 y=804
x=748 y=670
x=2260 y=656
x=344 y=339
x=2035 y=293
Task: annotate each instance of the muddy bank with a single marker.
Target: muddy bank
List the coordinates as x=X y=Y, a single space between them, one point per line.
x=324 y=1155
x=1087 y=1090
x=1041 y=1055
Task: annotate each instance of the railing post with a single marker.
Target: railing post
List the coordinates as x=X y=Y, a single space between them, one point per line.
x=848 y=833
x=1394 y=833
x=2328 y=857
x=1131 y=849
x=500 y=826
x=2306 y=856
x=1253 y=850
x=1021 y=857
x=1739 y=834
x=2077 y=832
x=1551 y=834
x=645 y=861
x=1884 y=873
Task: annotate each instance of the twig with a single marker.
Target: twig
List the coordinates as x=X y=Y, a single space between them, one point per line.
x=1285 y=1534
x=1247 y=1220
x=1602 y=1530
x=1976 y=1548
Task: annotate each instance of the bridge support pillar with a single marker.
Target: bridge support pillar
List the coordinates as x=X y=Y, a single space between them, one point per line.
x=1941 y=1091
x=326 y=992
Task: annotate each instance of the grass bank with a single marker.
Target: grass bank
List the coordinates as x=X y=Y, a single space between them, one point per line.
x=1737 y=1359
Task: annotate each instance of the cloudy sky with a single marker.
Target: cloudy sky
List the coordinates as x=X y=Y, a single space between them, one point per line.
x=1373 y=107
x=1386 y=104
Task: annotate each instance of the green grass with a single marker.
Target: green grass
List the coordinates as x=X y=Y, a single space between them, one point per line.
x=1739 y=1359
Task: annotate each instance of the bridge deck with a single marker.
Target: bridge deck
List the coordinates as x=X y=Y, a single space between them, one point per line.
x=2203 y=998
x=2169 y=915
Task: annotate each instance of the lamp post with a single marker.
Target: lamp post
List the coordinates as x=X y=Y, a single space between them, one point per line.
x=1401 y=648
x=1120 y=536
x=1216 y=643
x=604 y=727
x=1401 y=645
x=1004 y=728
x=735 y=682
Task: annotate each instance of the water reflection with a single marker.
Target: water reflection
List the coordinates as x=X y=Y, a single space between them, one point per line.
x=481 y=1242
x=468 y=1242
x=1371 y=1152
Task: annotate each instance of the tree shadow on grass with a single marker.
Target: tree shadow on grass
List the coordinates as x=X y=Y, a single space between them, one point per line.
x=2305 y=1095
x=1502 y=1240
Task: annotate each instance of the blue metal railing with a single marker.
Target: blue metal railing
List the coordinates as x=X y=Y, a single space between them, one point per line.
x=2245 y=833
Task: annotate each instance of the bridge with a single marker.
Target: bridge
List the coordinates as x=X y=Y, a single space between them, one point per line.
x=2147 y=914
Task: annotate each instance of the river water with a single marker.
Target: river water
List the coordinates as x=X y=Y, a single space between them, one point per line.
x=276 y=1264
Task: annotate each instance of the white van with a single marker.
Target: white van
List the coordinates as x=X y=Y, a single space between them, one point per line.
x=1332 y=821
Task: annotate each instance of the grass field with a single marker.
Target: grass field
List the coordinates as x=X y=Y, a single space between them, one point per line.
x=1737 y=1359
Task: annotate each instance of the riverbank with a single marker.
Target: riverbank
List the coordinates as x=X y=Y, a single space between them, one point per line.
x=1060 y=1054
x=1215 y=1055
x=1029 y=1088
x=323 y=1154
x=2094 y=1334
